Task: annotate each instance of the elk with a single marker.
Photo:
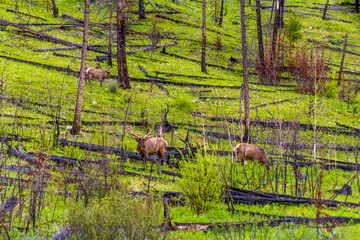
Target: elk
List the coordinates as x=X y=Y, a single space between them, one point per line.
x=93 y=73
x=148 y=145
x=252 y=152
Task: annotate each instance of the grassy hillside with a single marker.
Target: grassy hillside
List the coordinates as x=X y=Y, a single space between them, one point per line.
x=97 y=190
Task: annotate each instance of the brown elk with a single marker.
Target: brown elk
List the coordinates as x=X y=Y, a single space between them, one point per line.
x=148 y=145
x=252 y=152
x=93 y=73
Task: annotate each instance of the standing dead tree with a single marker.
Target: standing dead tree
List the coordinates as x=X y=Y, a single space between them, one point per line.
x=110 y=36
x=245 y=74
x=76 y=125
x=203 y=45
x=123 y=77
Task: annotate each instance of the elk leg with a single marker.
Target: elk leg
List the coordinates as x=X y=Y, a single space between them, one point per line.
x=101 y=82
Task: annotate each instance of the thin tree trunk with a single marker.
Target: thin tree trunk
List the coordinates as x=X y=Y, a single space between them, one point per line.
x=357 y=6
x=123 y=77
x=260 y=40
x=221 y=13
x=203 y=47
x=240 y=113
x=141 y=10
x=272 y=11
x=342 y=59
x=281 y=13
x=325 y=9
x=245 y=74
x=110 y=37
x=76 y=125
x=55 y=9
x=273 y=44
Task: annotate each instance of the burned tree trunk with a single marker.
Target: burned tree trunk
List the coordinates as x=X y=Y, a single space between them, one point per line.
x=275 y=30
x=260 y=40
x=123 y=77
x=110 y=37
x=141 y=10
x=245 y=74
x=76 y=125
x=357 y=6
x=55 y=9
x=221 y=13
x=325 y=9
x=342 y=59
x=203 y=46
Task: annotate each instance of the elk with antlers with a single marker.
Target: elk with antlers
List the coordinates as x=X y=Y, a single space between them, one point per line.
x=252 y=152
x=148 y=145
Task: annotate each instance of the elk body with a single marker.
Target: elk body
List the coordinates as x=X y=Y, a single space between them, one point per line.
x=93 y=73
x=149 y=145
x=252 y=152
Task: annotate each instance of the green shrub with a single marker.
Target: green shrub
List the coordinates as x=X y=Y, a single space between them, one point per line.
x=293 y=27
x=113 y=87
x=119 y=216
x=182 y=103
x=200 y=184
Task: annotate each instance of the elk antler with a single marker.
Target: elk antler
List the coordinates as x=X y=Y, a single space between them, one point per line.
x=137 y=138
x=147 y=135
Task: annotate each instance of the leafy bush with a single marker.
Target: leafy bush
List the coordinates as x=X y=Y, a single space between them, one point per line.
x=200 y=184
x=113 y=87
x=293 y=27
x=118 y=216
x=182 y=103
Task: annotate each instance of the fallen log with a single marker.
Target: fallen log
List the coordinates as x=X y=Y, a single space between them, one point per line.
x=25 y=14
x=192 y=25
x=285 y=124
x=15 y=116
x=61 y=48
x=103 y=58
x=272 y=103
x=333 y=48
x=272 y=223
x=85 y=123
x=252 y=197
x=193 y=60
x=19 y=139
x=65 y=55
x=29 y=108
x=348 y=127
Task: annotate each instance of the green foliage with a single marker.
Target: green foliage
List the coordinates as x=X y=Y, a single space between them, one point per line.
x=330 y=90
x=113 y=87
x=200 y=184
x=293 y=27
x=182 y=103
x=119 y=216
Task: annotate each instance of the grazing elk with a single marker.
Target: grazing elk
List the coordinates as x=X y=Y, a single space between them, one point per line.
x=253 y=152
x=148 y=145
x=93 y=73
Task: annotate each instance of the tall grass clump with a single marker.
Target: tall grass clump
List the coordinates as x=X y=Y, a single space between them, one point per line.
x=200 y=184
x=118 y=216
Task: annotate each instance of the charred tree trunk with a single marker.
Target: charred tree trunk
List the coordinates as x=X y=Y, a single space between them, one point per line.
x=281 y=13
x=260 y=40
x=357 y=6
x=110 y=37
x=123 y=77
x=76 y=125
x=203 y=47
x=245 y=74
x=55 y=9
x=221 y=13
x=141 y=10
x=274 y=40
x=342 y=59
x=325 y=9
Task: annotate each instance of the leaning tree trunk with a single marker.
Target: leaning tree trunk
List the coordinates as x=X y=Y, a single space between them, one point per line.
x=325 y=9
x=123 y=77
x=245 y=74
x=260 y=40
x=110 y=37
x=141 y=10
x=76 y=125
x=221 y=13
x=203 y=46
x=55 y=9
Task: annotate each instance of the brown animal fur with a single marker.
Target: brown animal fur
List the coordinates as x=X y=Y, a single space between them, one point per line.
x=252 y=152
x=92 y=73
x=149 y=145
